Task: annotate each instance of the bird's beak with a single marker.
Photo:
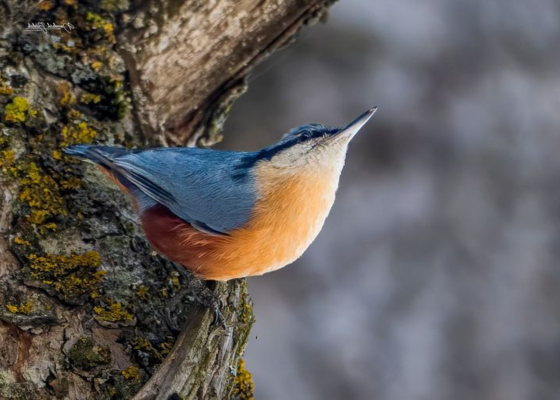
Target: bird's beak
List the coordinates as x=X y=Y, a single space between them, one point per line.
x=353 y=127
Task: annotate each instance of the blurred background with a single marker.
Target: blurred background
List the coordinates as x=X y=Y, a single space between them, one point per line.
x=437 y=274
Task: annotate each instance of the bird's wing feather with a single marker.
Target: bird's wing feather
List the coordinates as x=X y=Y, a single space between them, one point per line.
x=207 y=188
x=212 y=190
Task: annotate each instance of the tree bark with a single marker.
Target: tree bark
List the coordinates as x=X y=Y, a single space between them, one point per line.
x=82 y=295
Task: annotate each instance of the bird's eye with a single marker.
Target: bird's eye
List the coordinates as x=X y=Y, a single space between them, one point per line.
x=304 y=136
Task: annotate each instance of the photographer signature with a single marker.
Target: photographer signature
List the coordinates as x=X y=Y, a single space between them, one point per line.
x=45 y=27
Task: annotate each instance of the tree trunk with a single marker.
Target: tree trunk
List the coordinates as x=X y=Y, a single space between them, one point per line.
x=82 y=295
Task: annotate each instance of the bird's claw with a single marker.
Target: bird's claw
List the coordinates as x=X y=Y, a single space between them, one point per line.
x=208 y=299
x=202 y=295
x=169 y=320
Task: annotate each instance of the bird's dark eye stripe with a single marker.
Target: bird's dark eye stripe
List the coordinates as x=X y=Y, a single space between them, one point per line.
x=269 y=153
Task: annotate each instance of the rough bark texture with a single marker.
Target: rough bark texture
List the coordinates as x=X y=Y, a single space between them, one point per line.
x=82 y=295
x=219 y=42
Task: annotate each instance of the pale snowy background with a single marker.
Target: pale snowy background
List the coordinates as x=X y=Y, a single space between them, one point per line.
x=437 y=274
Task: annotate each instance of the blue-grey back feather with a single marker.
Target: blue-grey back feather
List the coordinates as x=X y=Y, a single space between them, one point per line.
x=210 y=189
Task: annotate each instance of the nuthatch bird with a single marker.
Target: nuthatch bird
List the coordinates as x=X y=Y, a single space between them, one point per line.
x=232 y=214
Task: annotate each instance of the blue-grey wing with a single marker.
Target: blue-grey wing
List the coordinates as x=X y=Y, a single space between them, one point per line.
x=207 y=188
x=211 y=190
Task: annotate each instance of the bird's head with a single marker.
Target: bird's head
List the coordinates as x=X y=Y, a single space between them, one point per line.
x=317 y=144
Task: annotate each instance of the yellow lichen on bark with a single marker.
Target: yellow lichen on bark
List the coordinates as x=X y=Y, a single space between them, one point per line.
x=243 y=386
x=114 y=313
x=17 y=110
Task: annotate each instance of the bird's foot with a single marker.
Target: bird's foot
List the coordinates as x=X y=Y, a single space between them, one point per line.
x=187 y=275
x=171 y=322
x=200 y=293
x=208 y=298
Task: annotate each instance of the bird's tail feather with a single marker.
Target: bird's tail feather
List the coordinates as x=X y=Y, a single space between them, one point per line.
x=102 y=155
x=105 y=156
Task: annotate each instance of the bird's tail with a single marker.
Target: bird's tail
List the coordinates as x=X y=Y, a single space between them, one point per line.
x=103 y=155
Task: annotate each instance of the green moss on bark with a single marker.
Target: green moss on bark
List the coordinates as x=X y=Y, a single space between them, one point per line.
x=86 y=355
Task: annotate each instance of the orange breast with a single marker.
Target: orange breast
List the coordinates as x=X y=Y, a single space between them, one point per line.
x=288 y=215
x=287 y=219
